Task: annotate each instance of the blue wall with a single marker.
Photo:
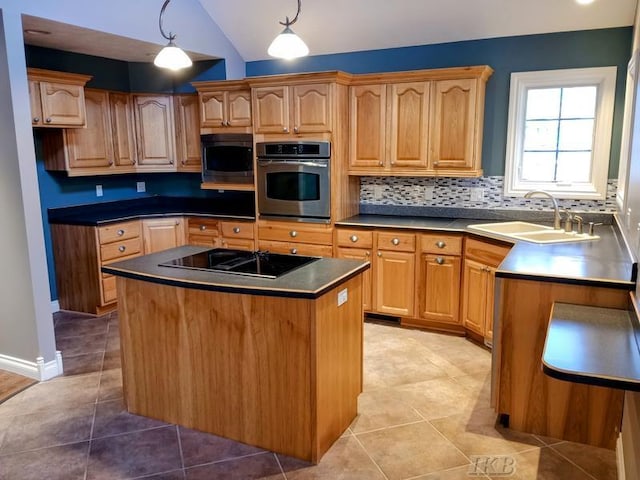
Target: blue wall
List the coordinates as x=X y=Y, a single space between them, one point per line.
x=592 y=48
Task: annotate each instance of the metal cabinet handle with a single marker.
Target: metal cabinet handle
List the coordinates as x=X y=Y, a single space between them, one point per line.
x=296 y=129
x=435 y=164
x=48 y=120
x=439 y=260
x=395 y=241
x=111 y=163
x=222 y=123
x=367 y=254
x=203 y=228
x=171 y=162
x=236 y=229
x=379 y=254
x=122 y=248
x=380 y=163
x=353 y=238
x=293 y=233
x=294 y=251
x=285 y=130
x=177 y=222
x=228 y=123
x=36 y=119
x=441 y=244
x=120 y=232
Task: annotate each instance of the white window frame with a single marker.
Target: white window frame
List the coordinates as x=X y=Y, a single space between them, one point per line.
x=605 y=80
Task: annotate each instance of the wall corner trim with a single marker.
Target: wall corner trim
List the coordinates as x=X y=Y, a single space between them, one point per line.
x=38 y=370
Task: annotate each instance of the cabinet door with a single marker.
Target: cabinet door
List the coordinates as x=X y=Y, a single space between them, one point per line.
x=239 y=108
x=360 y=254
x=488 y=319
x=122 y=129
x=62 y=104
x=35 y=103
x=162 y=233
x=312 y=108
x=270 y=109
x=212 y=109
x=155 y=131
x=91 y=147
x=409 y=125
x=454 y=125
x=394 y=274
x=439 y=288
x=187 y=133
x=367 y=105
x=474 y=295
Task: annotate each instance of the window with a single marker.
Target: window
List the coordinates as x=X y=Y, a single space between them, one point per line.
x=559 y=132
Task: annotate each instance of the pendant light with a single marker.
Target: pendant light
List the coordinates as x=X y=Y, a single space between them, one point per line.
x=171 y=56
x=288 y=45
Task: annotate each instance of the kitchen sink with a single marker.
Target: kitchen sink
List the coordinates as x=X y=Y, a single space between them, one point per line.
x=532 y=232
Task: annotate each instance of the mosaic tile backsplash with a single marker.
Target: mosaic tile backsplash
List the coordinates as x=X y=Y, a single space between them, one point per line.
x=483 y=192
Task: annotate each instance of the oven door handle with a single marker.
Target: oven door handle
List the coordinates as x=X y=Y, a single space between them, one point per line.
x=264 y=163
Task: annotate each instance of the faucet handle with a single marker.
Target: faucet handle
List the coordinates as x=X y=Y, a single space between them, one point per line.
x=568 y=221
x=591 y=225
x=578 y=219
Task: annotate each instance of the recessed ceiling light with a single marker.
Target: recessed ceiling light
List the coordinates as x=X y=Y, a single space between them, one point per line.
x=31 y=31
x=584 y=2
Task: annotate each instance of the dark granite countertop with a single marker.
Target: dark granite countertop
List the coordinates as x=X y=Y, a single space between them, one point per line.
x=605 y=261
x=232 y=205
x=308 y=281
x=593 y=345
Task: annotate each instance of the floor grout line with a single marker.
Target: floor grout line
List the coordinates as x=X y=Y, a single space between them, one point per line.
x=572 y=462
x=384 y=475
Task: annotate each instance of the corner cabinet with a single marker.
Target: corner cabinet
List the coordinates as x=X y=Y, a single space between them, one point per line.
x=57 y=98
x=419 y=123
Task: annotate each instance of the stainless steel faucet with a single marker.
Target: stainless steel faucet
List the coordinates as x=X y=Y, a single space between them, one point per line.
x=556 y=215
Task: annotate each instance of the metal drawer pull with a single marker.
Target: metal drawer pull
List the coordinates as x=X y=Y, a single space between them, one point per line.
x=122 y=248
x=203 y=227
x=379 y=254
x=293 y=233
x=354 y=238
x=395 y=241
x=296 y=129
x=36 y=119
x=441 y=244
x=294 y=251
x=120 y=232
x=48 y=120
x=439 y=260
x=367 y=254
x=236 y=229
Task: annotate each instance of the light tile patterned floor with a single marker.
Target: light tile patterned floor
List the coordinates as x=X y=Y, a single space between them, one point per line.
x=424 y=414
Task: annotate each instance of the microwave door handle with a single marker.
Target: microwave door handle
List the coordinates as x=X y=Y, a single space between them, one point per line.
x=264 y=163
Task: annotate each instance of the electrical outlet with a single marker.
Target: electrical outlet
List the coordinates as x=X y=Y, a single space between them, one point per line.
x=428 y=192
x=98 y=190
x=378 y=191
x=477 y=194
x=141 y=187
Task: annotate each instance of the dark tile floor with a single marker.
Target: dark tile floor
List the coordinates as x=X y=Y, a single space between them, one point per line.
x=424 y=414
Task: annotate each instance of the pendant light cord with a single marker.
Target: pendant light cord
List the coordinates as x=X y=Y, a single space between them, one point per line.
x=171 y=36
x=286 y=23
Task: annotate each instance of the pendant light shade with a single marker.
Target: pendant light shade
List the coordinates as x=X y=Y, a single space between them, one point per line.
x=171 y=57
x=288 y=45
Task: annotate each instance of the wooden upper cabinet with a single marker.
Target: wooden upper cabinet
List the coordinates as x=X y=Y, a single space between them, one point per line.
x=368 y=115
x=296 y=109
x=223 y=110
x=187 y=127
x=155 y=136
x=456 y=128
x=91 y=147
x=409 y=126
x=122 y=130
x=57 y=98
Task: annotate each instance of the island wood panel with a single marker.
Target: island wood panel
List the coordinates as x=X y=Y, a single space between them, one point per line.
x=77 y=267
x=535 y=402
x=279 y=373
x=631 y=435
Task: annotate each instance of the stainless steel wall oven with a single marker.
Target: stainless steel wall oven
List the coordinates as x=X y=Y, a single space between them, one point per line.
x=293 y=180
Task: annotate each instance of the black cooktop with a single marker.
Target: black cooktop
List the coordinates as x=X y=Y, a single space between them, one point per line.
x=241 y=262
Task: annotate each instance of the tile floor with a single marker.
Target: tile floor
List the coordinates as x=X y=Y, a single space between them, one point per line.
x=424 y=414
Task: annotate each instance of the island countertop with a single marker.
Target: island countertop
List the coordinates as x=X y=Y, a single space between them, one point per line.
x=309 y=281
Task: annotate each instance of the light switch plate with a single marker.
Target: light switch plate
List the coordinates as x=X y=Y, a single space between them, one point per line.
x=141 y=187
x=342 y=296
x=98 y=190
x=428 y=192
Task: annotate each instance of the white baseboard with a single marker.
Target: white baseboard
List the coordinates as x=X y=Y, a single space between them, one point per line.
x=55 y=306
x=38 y=370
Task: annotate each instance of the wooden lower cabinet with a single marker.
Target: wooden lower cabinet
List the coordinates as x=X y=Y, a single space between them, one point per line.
x=162 y=233
x=295 y=238
x=360 y=254
x=439 y=288
x=210 y=232
x=394 y=282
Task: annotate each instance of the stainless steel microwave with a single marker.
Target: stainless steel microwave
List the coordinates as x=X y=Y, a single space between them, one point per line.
x=227 y=158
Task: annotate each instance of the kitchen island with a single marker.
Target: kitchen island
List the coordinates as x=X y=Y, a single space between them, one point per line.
x=275 y=363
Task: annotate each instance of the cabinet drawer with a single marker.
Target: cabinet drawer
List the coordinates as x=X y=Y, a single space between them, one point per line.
x=118 y=231
x=203 y=227
x=396 y=241
x=297 y=248
x=239 y=243
x=203 y=240
x=237 y=230
x=441 y=244
x=491 y=254
x=354 y=238
x=109 y=293
x=295 y=232
x=121 y=249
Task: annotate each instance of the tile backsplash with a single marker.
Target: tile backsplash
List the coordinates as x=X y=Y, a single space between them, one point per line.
x=483 y=192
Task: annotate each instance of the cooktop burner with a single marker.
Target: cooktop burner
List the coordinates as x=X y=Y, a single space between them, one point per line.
x=241 y=262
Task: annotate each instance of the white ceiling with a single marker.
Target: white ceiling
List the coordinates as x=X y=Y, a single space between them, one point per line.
x=333 y=26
